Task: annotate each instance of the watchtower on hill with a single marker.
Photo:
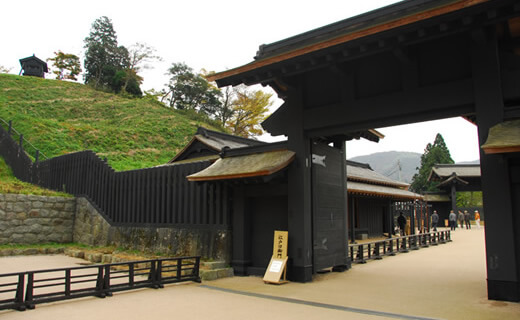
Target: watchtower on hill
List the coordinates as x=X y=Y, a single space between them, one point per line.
x=32 y=66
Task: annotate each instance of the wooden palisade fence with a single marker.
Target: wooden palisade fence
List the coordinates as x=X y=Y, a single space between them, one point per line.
x=152 y=196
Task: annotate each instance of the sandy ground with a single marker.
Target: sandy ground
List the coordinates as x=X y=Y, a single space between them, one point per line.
x=440 y=282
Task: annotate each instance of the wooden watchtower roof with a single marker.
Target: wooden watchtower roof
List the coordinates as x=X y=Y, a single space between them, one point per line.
x=33 y=66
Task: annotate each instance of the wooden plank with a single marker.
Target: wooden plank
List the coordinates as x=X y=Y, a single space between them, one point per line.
x=205 y=204
x=191 y=201
x=185 y=197
x=140 y=195
x=218 y=204
x=169 y=195
x=178 y=195
x=211 y=202
x=164 y=176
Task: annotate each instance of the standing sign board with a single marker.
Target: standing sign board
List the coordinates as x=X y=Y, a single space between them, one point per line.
x=278 y=264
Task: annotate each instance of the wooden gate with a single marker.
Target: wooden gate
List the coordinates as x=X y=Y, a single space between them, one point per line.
x=328 y=203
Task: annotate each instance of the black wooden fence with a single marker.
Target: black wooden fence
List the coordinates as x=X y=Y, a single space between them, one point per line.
x=23 y=290
x=153 y=196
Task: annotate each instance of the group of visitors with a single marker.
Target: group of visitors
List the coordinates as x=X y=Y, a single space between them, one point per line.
x=464 y=219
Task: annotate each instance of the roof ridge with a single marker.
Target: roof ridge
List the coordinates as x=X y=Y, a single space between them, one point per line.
x=207 y=132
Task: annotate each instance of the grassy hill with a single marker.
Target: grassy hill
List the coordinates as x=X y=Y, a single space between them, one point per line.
x=60 y=117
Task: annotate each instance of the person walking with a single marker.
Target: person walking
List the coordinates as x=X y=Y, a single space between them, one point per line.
x=477 y=219
x=452 y=218
x=401 y=221
x=435 y=220
x=460 y=219
x=467 y=219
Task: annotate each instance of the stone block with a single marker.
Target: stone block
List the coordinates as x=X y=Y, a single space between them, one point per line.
x=225 y=273
x=32 y=197
x=34 y=213
x=59 y=250
x=208 y=275
x=78 y=254
x=6 y=252
x=48 y=205
x=10 y=197
x=45 y=213
x=30 y=251
x=30 y=238
x=94 y=257
x=107 y=258
x=37 y=204
x=214 y=264
x=21 y=216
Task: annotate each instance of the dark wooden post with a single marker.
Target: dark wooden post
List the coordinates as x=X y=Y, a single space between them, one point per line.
x=352 y=218
x=453 y=195
x=502 y=254
x=299 y=194
x=241 y=233
x=343 y=147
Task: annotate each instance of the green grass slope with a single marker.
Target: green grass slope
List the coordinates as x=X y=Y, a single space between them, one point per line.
x=9 y=184
x=61 y=117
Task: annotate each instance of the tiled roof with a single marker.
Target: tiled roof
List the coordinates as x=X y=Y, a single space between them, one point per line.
x=354 y=187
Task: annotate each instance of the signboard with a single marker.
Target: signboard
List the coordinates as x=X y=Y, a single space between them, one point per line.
x=278 y=264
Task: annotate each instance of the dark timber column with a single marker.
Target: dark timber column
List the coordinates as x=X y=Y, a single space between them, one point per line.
x=241 y=233
x=299 y=194
x=501 y=253
x=343 y=147
x=453 y=193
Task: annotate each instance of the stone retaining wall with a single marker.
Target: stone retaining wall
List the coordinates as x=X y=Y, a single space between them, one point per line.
x=28 y=219
x=92 y=229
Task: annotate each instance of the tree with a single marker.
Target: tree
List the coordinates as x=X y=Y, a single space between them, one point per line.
x=249 y=109
x=66 y=62
x=188 y=90
x=104 y=59
x=4 y=69
x=469 y=199
x=139 y=55
x=224 y=113
x=436 y=153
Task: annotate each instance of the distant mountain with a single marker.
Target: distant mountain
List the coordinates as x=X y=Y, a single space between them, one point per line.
x=398 y=165
x=470 y=162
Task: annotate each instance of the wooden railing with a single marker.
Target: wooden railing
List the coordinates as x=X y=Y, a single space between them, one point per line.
x=23 y=290
x=361 y=252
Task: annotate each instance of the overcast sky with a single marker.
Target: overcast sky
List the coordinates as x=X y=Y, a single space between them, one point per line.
x=214 y=35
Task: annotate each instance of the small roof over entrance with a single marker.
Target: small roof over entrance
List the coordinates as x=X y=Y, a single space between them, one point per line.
x=465 y=176
x=245 y=166
x=443 y=171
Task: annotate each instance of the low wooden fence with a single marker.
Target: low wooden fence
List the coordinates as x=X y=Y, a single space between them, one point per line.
x=23 y=290
x=159 y=196
x=361 y=252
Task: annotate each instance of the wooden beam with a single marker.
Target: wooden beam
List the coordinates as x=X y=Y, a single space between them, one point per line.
x=421 y=103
